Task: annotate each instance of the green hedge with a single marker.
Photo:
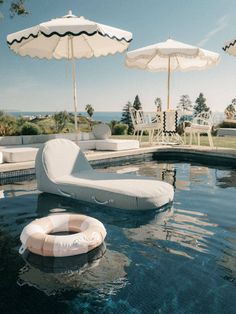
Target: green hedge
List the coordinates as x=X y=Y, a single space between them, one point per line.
x=29 y=128
x=120 y=129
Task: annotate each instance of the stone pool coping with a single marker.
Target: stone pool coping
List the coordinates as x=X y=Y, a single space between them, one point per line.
x=204 y=154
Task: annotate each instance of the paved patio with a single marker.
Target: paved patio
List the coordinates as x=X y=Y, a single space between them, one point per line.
x=94 y=156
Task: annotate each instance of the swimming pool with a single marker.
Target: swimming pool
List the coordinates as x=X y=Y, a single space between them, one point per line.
x=179 y=260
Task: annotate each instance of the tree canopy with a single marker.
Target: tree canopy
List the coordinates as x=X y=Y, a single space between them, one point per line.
x=185 y=103
x=230 y=110
x=16 y=7
x=200 y=105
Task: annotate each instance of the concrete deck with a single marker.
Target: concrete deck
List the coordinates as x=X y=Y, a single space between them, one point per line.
x=94 y=156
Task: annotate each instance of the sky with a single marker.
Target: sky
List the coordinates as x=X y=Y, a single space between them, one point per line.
x=28 y=84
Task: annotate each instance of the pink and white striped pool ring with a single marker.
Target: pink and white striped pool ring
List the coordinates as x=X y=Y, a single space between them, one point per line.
x=38 y=236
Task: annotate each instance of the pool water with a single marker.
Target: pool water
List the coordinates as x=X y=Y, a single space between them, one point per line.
x=181 y=259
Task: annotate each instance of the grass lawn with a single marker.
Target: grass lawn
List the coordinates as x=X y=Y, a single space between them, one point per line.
x=226 y=141
x=47 y=125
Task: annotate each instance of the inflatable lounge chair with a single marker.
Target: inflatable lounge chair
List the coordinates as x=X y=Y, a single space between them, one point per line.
x=62 y=168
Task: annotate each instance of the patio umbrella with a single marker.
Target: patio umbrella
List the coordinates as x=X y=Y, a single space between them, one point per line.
x=171 y=56
x=230 y=47
x=69 y=37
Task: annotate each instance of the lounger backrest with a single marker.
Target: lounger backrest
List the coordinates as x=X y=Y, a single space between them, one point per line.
x=61 y=157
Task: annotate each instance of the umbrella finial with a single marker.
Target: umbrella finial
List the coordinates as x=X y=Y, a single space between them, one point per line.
x=70 y=14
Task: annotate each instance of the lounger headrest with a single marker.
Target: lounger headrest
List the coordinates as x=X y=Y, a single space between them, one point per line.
x=62 y=157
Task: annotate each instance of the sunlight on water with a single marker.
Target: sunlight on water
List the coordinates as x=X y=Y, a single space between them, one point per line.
x=170 y=261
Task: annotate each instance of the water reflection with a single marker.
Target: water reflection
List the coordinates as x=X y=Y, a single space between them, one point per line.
x=68 y=264
x=1 y=193
x=179 y=232
x=155 y=261
x=19 y=186
x=100 y=270
x=163 y=172
x=226 y=179
x=228 y=263
x=49 y=203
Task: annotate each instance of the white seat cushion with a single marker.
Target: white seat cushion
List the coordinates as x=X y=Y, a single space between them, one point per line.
x=116 y=144
x=20 y=154
x=1 y=158
x=118 y=190
x=197 y=128
x=87 y=145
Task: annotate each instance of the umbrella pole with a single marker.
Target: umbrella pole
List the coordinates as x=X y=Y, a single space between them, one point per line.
x=74 y=84
x=168 y=86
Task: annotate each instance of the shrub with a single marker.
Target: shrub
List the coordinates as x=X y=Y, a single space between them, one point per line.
x=61 y=119
x=112 y=124
x=8 y=125
x=184 y=120
x=226 y=124
x=29 y=128
x=120 y=129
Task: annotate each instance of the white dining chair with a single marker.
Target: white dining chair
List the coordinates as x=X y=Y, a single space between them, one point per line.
x=201 y=124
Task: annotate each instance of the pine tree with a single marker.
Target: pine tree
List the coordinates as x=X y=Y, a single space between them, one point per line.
x=230 y=110
x=200 y=105
x=185 y=103
x=126 y=118
x=137 y=104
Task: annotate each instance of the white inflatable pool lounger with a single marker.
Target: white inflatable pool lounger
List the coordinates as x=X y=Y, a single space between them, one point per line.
x=62 y=168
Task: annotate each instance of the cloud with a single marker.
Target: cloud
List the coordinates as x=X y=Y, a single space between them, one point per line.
x=221 y=24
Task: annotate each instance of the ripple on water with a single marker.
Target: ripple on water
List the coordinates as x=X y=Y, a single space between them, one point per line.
x=177 y=260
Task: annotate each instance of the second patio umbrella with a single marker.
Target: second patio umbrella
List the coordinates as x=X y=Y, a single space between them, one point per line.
x=69 y=37
x=171 y=56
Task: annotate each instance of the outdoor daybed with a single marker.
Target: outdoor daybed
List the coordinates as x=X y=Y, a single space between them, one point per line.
x=62 y=168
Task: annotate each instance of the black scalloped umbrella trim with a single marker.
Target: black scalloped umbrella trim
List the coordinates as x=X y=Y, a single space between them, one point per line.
x=176 y=124
x=66 y=34
x=228 y=46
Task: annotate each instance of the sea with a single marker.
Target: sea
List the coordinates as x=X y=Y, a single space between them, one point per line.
x=102 y=116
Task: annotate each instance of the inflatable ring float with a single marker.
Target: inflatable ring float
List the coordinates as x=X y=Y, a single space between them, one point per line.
x=39 y=236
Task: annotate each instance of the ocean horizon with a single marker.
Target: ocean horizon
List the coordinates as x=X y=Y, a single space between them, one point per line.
x=103 y=116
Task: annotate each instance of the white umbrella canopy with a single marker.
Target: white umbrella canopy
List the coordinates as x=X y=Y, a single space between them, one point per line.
x=230 y=47
x=69 y=37
x=170 y=56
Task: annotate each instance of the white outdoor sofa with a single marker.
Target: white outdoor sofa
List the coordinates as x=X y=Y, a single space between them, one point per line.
x=11 y=150
x=99 y=139
x=62 y=169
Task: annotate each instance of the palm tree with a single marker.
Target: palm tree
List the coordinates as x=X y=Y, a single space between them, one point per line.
x=89 y=109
